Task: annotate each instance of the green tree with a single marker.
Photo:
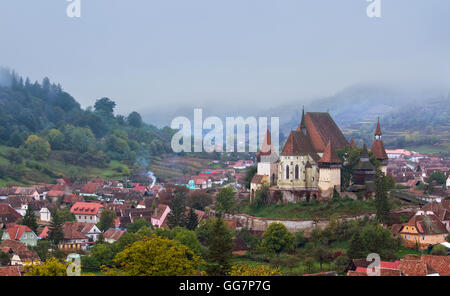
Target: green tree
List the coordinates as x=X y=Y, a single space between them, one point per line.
x=381 y=198
x=5 y=259
x=38 y=147
x=341 y=263
x=105 y=106
x=220 y=245
x=439 y=177
x=134 y=119
x=14 y=156
x=66 y=215
x=187 y=238
x=199 y=200
x=51 y=267
x=356 y=249
x=191 y=220
x=42 y=249
x=249 y=176
x=177 y=215
x=277 y=239
x=30 y=219
x=56 y=234
x=300 y=239
x=56 y=139
x=137 y=225
x=107 y=219
x=259 y=270
x=439 y=250
x=322 y=255
x=225 y=200
x=156 y=256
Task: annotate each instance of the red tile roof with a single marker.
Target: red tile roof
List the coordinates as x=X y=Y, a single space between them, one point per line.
x=86 y=208
x=113 y=234
x=427 y=224
x=299 y=144
x=330 y=155
x=10 y=271
x=321 y=128
x=266 y=147
x=440 y=264
x=16 y=231
x=8 y=214
x=378 y=150
x=378 y=130
x=90 y=188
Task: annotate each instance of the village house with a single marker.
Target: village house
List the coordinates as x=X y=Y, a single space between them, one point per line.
x=112 y=235
x=8 y=214
x=422 y=230
x=87 y=212
x=20 y=254
x=77 y=235
x=409 y=265
x=441 y=208
x=20 y=233
x=90 y=189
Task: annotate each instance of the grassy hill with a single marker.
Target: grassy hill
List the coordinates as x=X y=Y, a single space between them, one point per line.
x=47 y=171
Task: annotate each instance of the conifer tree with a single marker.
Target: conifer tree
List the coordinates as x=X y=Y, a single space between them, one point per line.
x=177 y=215
x=381 y=198
x=56 y=233
x=356 y=249
x=30 y=219
x=220 y=246
x=192 y=220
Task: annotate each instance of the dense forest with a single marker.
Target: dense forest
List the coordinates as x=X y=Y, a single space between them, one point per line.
x=39 y=121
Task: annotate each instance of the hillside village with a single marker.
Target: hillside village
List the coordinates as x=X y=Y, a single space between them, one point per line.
x=75 y=219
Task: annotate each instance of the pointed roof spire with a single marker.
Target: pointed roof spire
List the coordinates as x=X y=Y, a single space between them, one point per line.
x=302 y=126
x=329 y=155
x=365 y=152
x=352 y=142
x=266 y=147
x=378 y=131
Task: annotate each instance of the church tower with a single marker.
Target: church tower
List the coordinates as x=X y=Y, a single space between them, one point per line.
x=329 y=172
x=378 y=149
x=267 y=160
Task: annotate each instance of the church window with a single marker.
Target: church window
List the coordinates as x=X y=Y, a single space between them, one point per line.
x=287 y=172
x=296 y=172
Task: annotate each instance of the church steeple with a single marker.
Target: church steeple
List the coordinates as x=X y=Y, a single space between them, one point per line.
x=302 y=126
x=378 y=131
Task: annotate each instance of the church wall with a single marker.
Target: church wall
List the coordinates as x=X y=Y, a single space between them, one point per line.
x=307 y=177
x=328 y=179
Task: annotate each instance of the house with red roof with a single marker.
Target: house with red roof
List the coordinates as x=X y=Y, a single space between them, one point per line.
x=112 y=235
x=90 y=189
x=20 y=233
x=8 y=214
x=422 y=230
x=88 y=212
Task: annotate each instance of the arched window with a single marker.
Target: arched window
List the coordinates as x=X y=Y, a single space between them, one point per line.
x=287 y=172
x=296 y=172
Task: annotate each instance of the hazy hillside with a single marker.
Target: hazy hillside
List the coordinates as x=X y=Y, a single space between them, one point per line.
x=45 y=134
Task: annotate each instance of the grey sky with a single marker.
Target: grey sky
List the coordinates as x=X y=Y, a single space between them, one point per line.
x=148 y=53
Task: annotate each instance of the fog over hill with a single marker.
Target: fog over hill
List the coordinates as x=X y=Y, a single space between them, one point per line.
x=353 y=105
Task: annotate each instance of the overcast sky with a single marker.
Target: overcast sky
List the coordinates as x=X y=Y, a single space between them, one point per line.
x=147 y=53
